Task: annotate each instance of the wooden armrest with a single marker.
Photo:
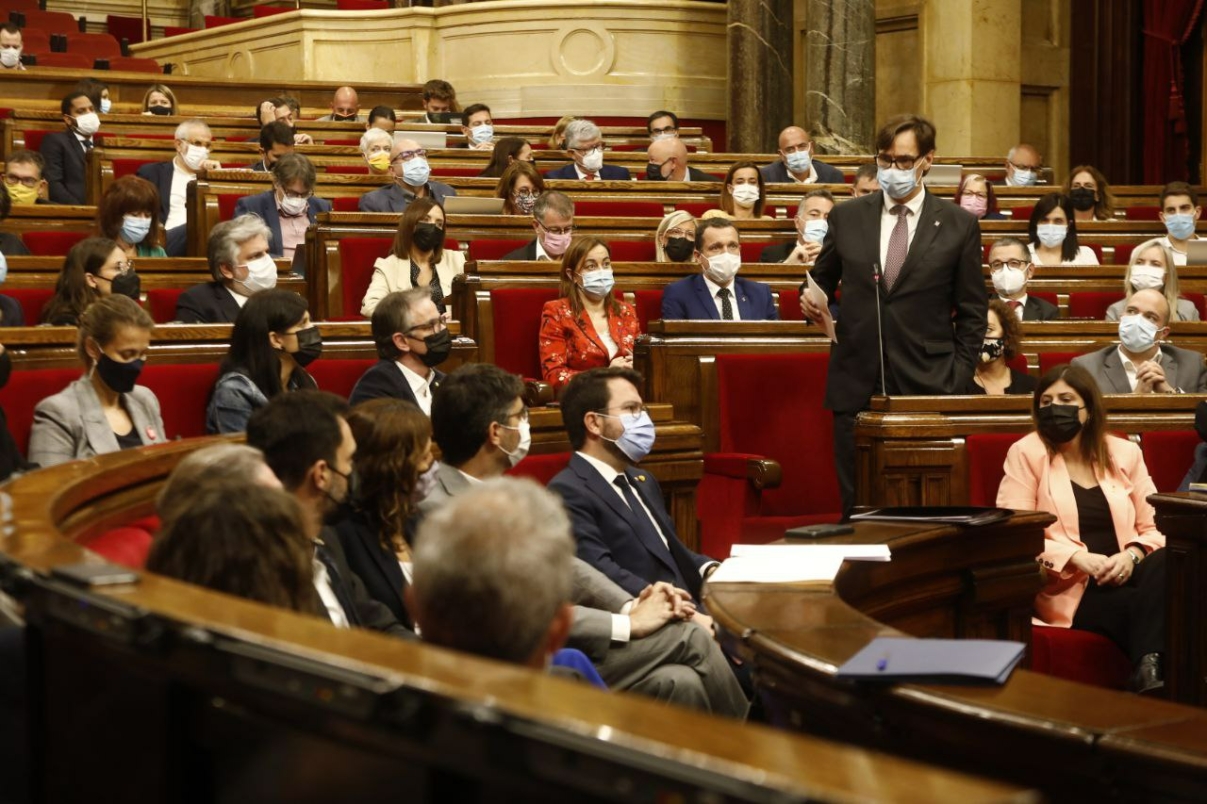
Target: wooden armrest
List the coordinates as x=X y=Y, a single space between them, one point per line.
x=763 y=473
x=537 y=393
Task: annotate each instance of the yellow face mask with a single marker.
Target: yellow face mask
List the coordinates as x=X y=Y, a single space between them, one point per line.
x=22 y=195
x=380 y=161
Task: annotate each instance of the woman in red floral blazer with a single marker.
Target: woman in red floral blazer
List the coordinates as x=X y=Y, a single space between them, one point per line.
x=587 y=327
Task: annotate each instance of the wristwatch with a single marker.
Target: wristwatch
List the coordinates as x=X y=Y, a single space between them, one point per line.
x=1135 y=557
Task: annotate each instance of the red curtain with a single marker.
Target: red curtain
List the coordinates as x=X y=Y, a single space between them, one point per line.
x=1167 y=26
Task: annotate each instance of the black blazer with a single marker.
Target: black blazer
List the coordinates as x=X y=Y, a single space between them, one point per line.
x=363 y=610
x=777 y=173
x=933 y=318
x=65 y=170
x=210 y=303
x=700 y=175
x=777 y=253
x=606 y=173
x=1037 y=309
x=526 y=252
x=607 y=539
x=160 y=174
x=385 y=379
x=376 y=567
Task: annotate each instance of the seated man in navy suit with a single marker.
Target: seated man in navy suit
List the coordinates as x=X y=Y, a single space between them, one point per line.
x=193 y=141
x=411 y=341
x=584 y=141
x=64 y=151
x=553 y=222
x=796 y=164
x=717 y=292
x=241 y=266
x=289 y=207
x=620 y=520
x=411 y=176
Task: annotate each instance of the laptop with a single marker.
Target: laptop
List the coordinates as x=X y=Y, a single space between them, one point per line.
x=446 y=118
x=1196 y=252
x=944 y=175
x=469 y=205
x=426 y=139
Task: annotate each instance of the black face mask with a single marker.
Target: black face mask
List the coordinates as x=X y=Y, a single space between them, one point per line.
x=6 y=368
x=163 y=111
x=120 y=377
x=992 y=349
x=1082 y=199
x=428 y=237
x=343 y=118
x=438 y=344
x=127 y=284
x=1200 y=417
x=679 y=249
x=1059 y=423
x=654 y=172
x=310 y=346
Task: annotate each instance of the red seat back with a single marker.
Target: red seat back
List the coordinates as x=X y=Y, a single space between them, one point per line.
x=1144 y=213
x=51 y=244
x=649 y=307
x=25 y=389
x=752 y=251
x=65 y=61
x=356 y=257
x=183 y=390
x=32 y=300
x=771 y=405
x=131 y=64
x=493 y=249
x=1168 y=455
x=362 y=5
x=790 y=305
x=1022 y=213
x=129 y=167
x=339 y=375
x=52 y=22
x=1123 y=253
x=1092 y=303
x=517 y=323
x=161 y=304
x=1046 y=295
x=1198 y=299
x=456 y=172
x=696 y=208
x=986 y=465
x=618 y=209
x=268 y=11
x=345 y=204
x=1049 y=360
x=34 y=41
x=94 y=45
x=33 y=138
x=214 y=21
x=128 y=28
x=632 y=251
x=177 y=30
x=541 y=468
x=226 y=205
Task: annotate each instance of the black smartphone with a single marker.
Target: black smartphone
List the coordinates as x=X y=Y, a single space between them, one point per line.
x=817 y=531
x=90 y=575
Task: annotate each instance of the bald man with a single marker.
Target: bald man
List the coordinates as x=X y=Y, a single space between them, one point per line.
x=668 y=162
x=410 y=171
x=345 y=107
x=1023 y=164
x=796 y=164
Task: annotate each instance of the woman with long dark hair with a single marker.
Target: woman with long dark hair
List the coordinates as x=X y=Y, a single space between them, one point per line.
x=1052 y=233
x=94 y=268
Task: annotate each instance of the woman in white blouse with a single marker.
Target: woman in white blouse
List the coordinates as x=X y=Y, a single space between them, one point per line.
x=1053 y=234
x=417 y=259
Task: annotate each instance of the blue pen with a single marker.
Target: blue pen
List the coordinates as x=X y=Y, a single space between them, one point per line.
x=882 y=665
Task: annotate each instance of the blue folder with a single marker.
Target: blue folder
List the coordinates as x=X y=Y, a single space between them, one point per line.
x=944 y=661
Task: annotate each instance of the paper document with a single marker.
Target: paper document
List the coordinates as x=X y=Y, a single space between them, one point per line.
x=769 y=569
x=790 y=552
x=819 y=298
x=934 y=660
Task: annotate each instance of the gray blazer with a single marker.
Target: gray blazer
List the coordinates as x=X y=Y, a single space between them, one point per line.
x=71 y=425
x=1186 y=310
x=1183 y=369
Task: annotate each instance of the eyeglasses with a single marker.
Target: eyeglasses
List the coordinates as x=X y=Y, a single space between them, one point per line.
x=1017 y=265
x=298 y=196
x=631 y=409
x=885 y=161
x=663 y=130
x=1017 y=166
x=975 y=194
x=436 y=324
x=557 y=230
x=522 y=414
x=407 y=156
x=13 y=180
x=688 y=233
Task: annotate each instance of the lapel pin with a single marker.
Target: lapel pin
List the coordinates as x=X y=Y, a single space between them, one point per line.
x=641 y=478
x=937 y=224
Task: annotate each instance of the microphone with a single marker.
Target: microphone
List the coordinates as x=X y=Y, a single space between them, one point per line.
x=879 y=330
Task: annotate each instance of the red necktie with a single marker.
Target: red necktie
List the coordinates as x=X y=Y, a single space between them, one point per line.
x=898 y=246
x=1014 y=304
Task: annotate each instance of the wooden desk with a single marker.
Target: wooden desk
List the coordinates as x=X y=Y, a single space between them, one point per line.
x=1074 y=742
x=1183 y=520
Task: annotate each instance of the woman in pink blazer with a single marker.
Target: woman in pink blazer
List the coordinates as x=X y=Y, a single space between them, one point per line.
x=1102 y=556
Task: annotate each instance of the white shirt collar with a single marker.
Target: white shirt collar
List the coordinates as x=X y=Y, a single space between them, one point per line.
x=470 y=478
x=914 y=205
x=714 y=288
x=1129 y=367
x=582 y=176
x=609 y=474
x=810 y=179
x=240 y=299
x=420 y=386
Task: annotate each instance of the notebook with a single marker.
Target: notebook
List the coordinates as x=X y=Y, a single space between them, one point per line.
x=940 y=661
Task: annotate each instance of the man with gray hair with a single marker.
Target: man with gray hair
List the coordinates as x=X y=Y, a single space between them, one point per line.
x=193 y=141
x=241 y=266
x=375 y=147
x=411 y=176
x=475 y=562
x=584 y=142
x=290 y=207
x=411 y=339
x=1023 y=164
x=553 y=222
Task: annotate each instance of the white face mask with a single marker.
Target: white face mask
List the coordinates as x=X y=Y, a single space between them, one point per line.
x=261 y=275
x=722 y=268
x=521 y=450
x=1007 y=281
x=195 y=156
x=1147 y=277
x=88 y=124
x=106 y=105
x=593 y=160
x=10 y=57
x=744 y=195
x=293 y=206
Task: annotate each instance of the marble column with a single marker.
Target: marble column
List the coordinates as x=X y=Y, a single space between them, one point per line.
x=760 y=73
x=840 y=74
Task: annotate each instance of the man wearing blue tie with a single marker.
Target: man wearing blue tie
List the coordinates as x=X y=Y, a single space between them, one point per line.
x=717 y=292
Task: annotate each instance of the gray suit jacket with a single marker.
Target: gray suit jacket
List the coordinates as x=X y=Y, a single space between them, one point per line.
x=71 y=425
x=1183 y=369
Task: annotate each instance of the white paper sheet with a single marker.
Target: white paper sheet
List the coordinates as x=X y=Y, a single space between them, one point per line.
x=768 y=569
x=788 y=552
x=819 y=298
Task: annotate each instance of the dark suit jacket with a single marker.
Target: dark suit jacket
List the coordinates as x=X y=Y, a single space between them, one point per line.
x=392 y=198
x=700 y=175
x=1037 y=309
x=777 y=173
x=210 y=303
x=689 y=298
x=11 y=312
x=933 y=318
x=365 y=612
x=526 y=252
x=607 y=173
x=1184 y=369
x=64 y=167
x=257 y=167
x=607 y=536
x=778 y=252
x=376 y=567
x=160 y=174
x=384 y=379
x=265 y=205
x=1195 y=473
x=12 y=246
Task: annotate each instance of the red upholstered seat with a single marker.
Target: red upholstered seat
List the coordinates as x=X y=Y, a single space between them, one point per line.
x=176 y=30
x=493 y=249
x=52 y=22
x=25 y=389
x=1144 y=213
x=32 y=300
x=226 y=205
x=517 y=323
x=649 y=307
x=356 y=257
x=697 y=208
x=346 y=204
x=1079 y=656
x=986 y=460
x=362 y=5
x=339 y=375
x=33 y=138
x=1092 y=303
x=1020 y=213
x=1018 y=363
x=94 y=45
x=268 y=11
x=618 y=209
x=1168 y=455
x=1123 y=253
x=632 y=251
x=18 y=5
x=790 y=305
x=130 y=64
x=65 y=61
x=769 y=406
x=214 y=21
x=34 y=41
x=183 y=390
x=51 y=244
x=1046 y=295
x=128 y=28
x=456 y=172
x=129 y=167
x=541 y=468
x=127 y=545
x=1049 y=360
x=161 y=304
x=752 y=250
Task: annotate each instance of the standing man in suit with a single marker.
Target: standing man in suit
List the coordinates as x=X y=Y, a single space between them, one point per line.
x=717 y=292
x=584 y=142
x=668 y=162
x=193 y=142
x=290 y=207
x=411 y=176
x=64 y=151
x=1141 y=364
x=411 y=341
x=797 y=164
x=553 y=222
x=812 y=223
x=619 y=516
x=910 y=267
x=241 y=266
x=1011 y=269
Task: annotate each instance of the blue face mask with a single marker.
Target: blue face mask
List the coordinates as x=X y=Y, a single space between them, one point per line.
x=896 y=183
x=106 y=105
x=598 y=283
x=1051 y=234
x=638 y=437
x=1137 y=333
x=1023 y=178
x=1180 y=227
x=416 y=171
x=815 y=230
x=135 y=229
x=800 y=161
x=482 y=133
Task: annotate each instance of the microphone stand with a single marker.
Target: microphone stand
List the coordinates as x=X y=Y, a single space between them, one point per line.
x=879 y=331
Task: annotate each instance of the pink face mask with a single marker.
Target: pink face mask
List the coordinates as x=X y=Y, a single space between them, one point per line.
x=977 y=206
x=555 y=244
